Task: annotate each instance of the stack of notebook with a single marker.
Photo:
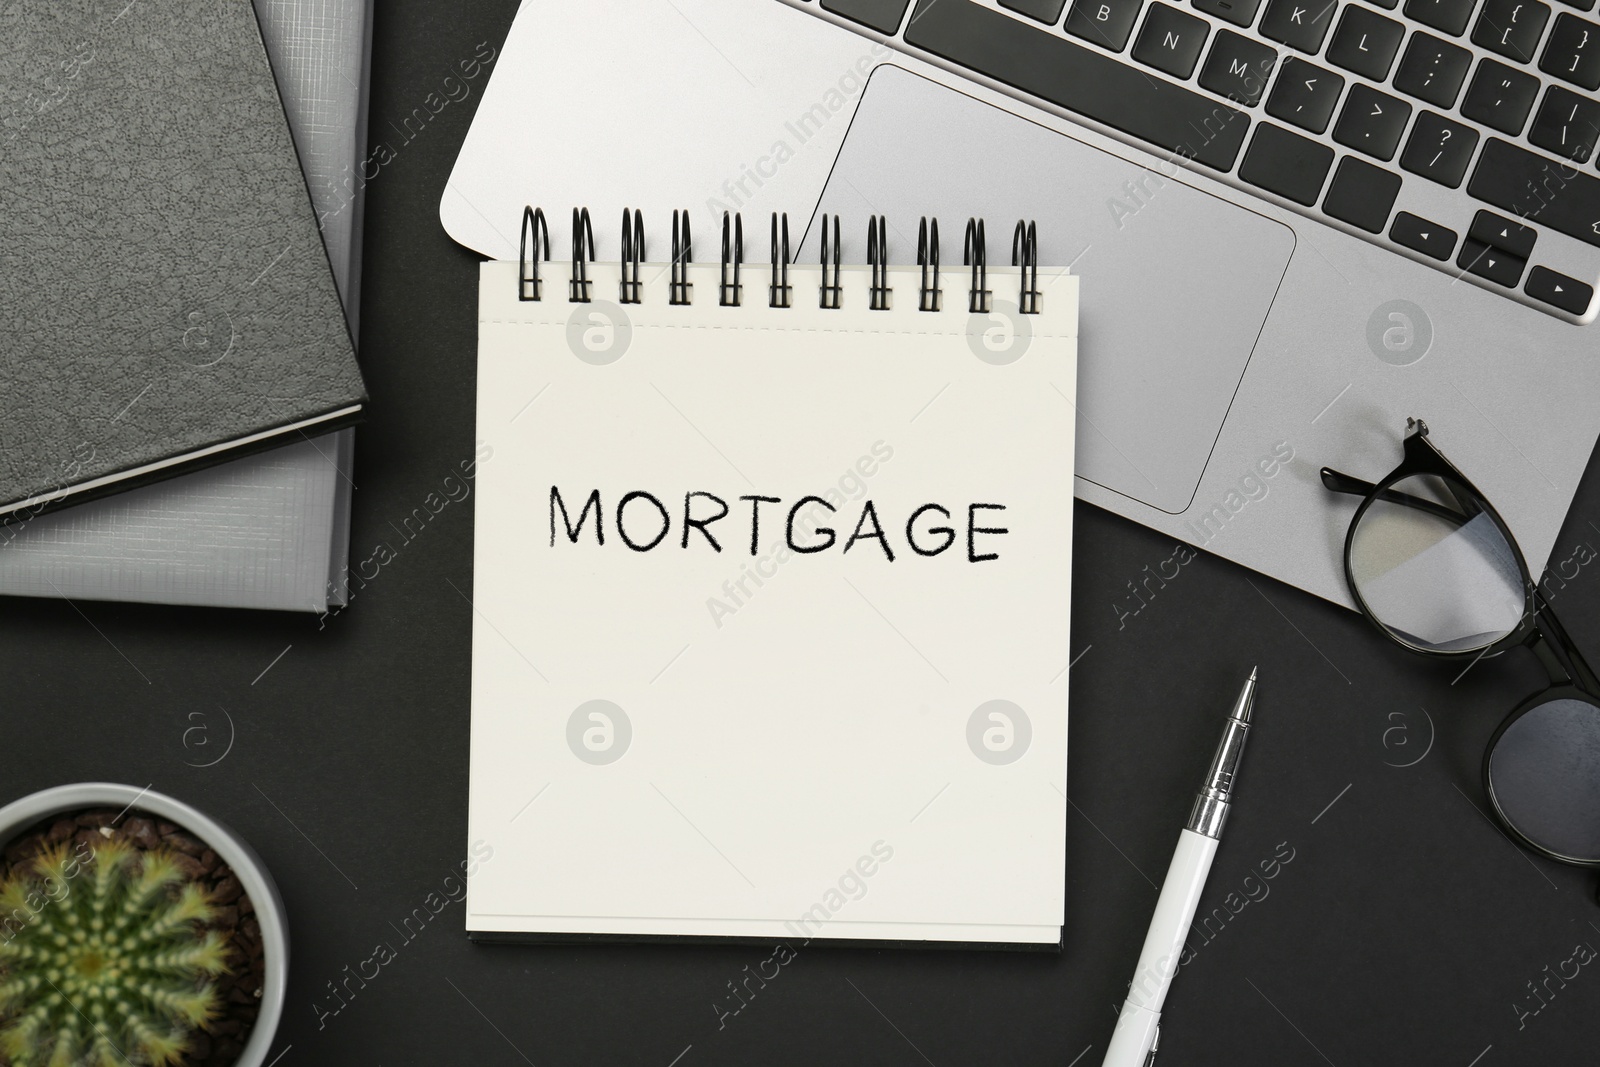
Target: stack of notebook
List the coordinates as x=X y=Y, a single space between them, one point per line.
x=172 y=300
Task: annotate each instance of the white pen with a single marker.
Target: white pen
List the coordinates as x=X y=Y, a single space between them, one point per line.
x=1138 y=1032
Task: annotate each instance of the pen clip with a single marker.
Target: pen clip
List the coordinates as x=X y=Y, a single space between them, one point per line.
x=1155 y=1043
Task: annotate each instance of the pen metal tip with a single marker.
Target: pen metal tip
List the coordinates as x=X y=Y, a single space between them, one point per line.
x=1247 y=698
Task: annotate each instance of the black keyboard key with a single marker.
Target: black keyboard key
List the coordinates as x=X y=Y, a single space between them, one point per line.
x=1439 y=149
x=1567 y=124
x=1171 y=40
x=1500 y=97
x=1488 y=262
x=1105 y=22
x=1420 y=235
x=1046 y=11
x=1448 y=15
x=1511 y=27
x=1372 y=122
x=1387 y=5
x=1573 y=52
x=1286 y=163
x=1581 y=5
x=1537 y=189
x=882 y=15
x=1080 y=79
x=1238 y=68
x=1432 y=70
x=1300 y=24
x=1365 y=43
x=1238 y=12
x=1558 y=290
x=1361 y=194
x=1496 y=232
x=1304 y=94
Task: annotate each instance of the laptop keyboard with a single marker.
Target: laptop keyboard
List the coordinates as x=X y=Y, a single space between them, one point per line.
x=1340 y=110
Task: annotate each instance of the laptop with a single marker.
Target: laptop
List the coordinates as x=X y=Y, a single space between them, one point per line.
x=1297 y=222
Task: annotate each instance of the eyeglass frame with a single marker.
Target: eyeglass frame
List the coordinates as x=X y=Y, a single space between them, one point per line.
x=1570 y=676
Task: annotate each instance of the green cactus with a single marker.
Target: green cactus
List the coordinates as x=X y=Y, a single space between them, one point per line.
x=104 y=961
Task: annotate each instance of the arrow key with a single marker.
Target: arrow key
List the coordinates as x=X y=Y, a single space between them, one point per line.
x=1496 y=232
x=1558 y=290
x=1491 y=263
x=1420 y=235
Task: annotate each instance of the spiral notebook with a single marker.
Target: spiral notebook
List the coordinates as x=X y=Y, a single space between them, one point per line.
x=771 y=594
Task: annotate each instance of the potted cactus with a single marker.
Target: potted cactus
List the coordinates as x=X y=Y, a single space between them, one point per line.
x=133 y=930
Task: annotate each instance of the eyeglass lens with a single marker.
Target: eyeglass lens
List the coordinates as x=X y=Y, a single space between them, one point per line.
x=1433 y=568
x=1544 y=776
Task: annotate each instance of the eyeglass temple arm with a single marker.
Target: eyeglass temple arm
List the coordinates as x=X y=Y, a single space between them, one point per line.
x=1345 y=483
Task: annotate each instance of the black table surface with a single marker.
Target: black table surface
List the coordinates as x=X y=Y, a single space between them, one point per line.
x=1399 y=926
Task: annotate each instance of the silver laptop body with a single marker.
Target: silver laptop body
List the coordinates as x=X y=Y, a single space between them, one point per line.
x=1277 y=270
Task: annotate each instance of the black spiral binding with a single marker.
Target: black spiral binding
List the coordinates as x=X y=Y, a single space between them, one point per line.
x=678 y=292
x=778 y=291
x=731 y=294
x=975 y=254
x=878 y=260
x=535 y=245
x=582 y=256
x=534 y=231
x=631 y=292
x=831 y=296
x=1025 y=254
x=928 y=294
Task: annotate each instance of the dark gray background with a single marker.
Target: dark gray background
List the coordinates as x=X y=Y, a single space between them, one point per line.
x=1404 y=930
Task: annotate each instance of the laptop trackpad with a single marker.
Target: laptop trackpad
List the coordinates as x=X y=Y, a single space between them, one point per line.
x=1176 y=282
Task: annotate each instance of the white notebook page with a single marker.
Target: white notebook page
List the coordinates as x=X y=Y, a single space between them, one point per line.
x=680 y=740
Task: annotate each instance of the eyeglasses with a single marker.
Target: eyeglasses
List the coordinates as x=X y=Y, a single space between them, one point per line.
x=1435 y=568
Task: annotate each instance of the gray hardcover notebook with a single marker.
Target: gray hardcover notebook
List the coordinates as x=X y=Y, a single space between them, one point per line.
x=267 y=530
x=164 y=291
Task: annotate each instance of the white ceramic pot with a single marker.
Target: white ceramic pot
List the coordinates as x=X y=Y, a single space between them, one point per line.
x=234 y=851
